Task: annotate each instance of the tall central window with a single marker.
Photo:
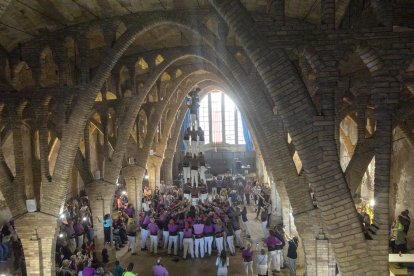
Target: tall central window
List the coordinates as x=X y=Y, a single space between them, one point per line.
x=220 y=119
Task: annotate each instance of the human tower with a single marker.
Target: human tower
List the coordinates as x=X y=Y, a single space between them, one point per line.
x=194 y=165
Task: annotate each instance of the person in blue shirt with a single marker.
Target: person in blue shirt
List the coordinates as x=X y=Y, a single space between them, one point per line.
x=107 y=224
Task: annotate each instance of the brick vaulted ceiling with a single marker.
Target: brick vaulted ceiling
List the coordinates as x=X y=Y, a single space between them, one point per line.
x=23 y=20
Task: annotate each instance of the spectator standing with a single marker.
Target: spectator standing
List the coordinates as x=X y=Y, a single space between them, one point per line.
x=292 y=254
x=248 y=259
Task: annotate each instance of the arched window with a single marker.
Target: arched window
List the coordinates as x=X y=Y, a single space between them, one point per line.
x=220 y=119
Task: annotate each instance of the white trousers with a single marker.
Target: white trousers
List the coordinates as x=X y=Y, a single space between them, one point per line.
x=165 y=235
x=201 y=145
x=208 y=241
x=274 y=260
x=131 y=243
x=180 y=240
x=144 y=236
x=239 y=240
x=281 y=259
x=80 y=241
x=186 y=172
x=230 y=242
x=188 y=246
x=199 y=247
x=173 y=240
x=219 y=244
x=213 y=192
x=245 y=226
x=195 y=147
x=203 y=170
x=264 y=229
x=193 y=118
x=154 y=243
x=248 y=266
x=187 y=145
x=194 y=178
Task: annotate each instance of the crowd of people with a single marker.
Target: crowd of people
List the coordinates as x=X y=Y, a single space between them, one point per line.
x=174 y=225
x=11 y=249
x=399 y=231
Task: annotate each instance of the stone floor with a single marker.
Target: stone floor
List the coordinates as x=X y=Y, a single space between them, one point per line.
x=178 y=266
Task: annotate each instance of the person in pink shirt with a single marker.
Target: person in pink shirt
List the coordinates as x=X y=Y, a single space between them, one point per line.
x=153 y=231
x=159 y=269
x=188 y=241
x=248 y=259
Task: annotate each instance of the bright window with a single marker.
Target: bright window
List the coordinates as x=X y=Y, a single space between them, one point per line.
x=216 y=117
x=240 y=134
x=215 y=107
x=229 y=123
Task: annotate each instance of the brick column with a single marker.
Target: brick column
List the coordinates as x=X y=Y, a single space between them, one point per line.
x=101 y=198
x=133 y=175
x=38 y=232
x=167 y=169
x=20 y=180
x=383 y=147
x=154 y=170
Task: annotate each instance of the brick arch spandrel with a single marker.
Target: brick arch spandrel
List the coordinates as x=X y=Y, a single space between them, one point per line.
x=134 y=103
x=155 y=117
x=297 y=112
x=54 y=192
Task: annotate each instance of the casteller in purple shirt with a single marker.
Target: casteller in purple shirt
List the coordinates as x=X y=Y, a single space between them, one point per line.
x=88 y=271
x=159 y=270
x=129 y=211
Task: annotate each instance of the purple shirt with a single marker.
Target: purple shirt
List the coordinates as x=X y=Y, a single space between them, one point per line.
x=79 y=228
x=153 y=228
x=198 y=229
x=130 y=212
x=88 y=271
x=172 y=228
x=188 y=233
x=247 y=255
x=271 y=242
x=217 y=229
x=159 y=270
x=180 y=225
x=208 y=229
x=70 y=231
x=145 y=221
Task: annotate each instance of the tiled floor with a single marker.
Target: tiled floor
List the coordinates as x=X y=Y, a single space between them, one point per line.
x=205 y=267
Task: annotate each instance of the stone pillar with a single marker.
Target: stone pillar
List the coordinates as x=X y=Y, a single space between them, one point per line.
x=133 y=175
x=166 y=168
x=260 y=167
x=276 y=216
x=305 y=223
x=383 y=147
x=154 y=170
x=101 y=198
x=38 y=232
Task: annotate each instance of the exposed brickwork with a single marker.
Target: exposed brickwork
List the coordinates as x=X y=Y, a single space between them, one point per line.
x=288 y=94
x=38 y=233
x=271 y=44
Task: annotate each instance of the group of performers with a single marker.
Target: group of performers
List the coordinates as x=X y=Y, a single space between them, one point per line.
x=190 y=228
x=194 y=165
